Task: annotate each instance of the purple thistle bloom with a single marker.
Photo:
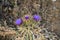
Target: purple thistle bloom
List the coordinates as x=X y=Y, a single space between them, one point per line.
x=26 y=17
x=18 y=21
x=37 y=17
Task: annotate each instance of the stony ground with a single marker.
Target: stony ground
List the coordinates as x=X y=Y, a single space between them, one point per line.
x=47 y=29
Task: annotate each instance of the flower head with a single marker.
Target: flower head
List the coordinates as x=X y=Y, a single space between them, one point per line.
x=18 y=21
x=37 y=17
x=26 y=17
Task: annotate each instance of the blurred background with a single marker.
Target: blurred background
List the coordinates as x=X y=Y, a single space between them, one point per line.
x=10 y=10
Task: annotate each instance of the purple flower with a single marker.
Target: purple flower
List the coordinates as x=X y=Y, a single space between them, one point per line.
x=37 y=17
x=18 y=21
x=26 y=17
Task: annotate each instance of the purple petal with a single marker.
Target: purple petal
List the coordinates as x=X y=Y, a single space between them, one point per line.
x=18 y=21
x=37 y=17
x=26 y=17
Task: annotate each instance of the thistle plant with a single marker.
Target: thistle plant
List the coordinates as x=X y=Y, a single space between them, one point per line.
x=27 y=24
